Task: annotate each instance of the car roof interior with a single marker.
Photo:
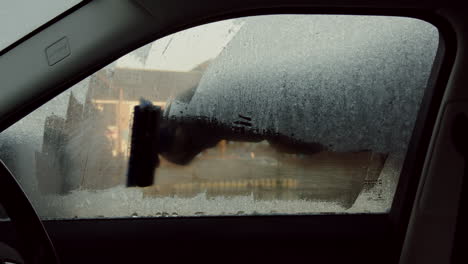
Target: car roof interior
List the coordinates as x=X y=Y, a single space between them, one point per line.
x=420 y=228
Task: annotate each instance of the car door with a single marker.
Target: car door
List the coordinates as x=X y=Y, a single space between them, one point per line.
x=275 y=231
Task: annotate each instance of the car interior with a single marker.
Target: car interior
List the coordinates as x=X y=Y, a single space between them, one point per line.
x=425 y=221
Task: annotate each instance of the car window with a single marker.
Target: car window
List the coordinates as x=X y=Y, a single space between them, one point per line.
x=277 y=114
x=18 y=18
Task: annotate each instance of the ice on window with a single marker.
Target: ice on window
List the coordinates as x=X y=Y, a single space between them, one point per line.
x=303 y=114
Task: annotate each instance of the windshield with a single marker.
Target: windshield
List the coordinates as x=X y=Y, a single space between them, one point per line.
x=280 y=114
x=20 y=17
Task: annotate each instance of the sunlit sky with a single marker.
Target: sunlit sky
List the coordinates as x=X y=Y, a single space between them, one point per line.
x=184 y=50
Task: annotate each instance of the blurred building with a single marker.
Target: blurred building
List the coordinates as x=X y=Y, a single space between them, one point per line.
x=89 y=147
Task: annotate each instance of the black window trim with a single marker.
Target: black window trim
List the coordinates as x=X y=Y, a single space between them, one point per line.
x=398 y=217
